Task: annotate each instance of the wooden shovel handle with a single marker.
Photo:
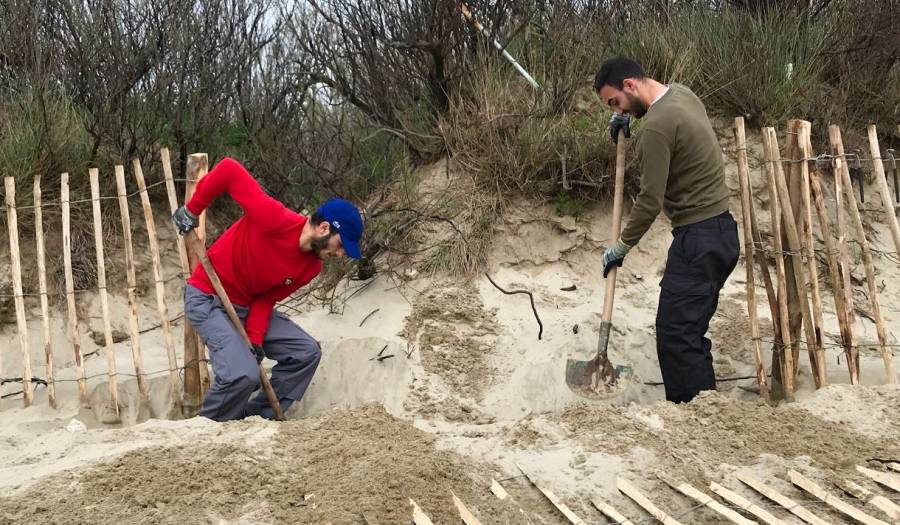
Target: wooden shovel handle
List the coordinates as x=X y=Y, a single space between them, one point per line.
x=616 y=224
x=196 y=245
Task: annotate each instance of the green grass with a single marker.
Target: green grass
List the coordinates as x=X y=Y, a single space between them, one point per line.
x=568 y=205
x=766 y=67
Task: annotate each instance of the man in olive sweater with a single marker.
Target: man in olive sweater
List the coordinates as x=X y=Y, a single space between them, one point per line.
x=682 y=174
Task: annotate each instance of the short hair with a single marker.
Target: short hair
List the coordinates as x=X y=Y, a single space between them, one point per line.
x=613 y=73
x=317 y=219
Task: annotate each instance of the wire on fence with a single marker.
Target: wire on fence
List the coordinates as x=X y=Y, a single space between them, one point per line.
x=105 y=197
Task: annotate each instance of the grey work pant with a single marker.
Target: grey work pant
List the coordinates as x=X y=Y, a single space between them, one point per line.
x=234 y=365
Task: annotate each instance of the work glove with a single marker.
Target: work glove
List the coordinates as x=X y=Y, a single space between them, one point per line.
x=619 y=121
x=614 y=256
x=184 y=220
x=258 y=352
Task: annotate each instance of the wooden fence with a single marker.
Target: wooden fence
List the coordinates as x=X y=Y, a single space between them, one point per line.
x=196 y=373
x=795 y=299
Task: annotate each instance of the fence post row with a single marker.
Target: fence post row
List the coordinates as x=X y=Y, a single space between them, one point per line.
x=196 y=368
x=792 y=222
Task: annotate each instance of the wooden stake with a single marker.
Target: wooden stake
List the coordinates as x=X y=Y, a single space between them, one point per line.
x=805 y=146
x=844 y=263
x=501 y=494
x=560 y=506
x=161 y=307
x=629 y=490
x=610 y=512
x=173 y=206
x=847 y=336
x=74 y=332
x=761 y=260
x=763 y=265
x=133 y=329
x=771 y=295
x=886 y=199
x=745 y=504
x=703 y=499
x=792 y=178
x=194 y=389
x=882 y=478
x=16 y=270
x=42 y=288
x=790 y=505
x=467 y=517
x=834 y=134
x=197 y=348
x=498 y=490
x=746 y=204
x=794 y=245
x=419 y=517
x=831 y=500
x=94 y=175
x=786 y=360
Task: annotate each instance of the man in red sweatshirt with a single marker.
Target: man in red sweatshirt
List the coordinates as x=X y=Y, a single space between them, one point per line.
x=264 y=257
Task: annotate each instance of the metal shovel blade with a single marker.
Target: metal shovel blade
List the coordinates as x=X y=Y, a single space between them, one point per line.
x=596 y=375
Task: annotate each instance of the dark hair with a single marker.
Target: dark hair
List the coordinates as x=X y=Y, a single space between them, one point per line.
x=613 y=72
x=317 y=219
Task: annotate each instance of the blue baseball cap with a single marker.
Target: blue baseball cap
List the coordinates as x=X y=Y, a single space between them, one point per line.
x=344 y=218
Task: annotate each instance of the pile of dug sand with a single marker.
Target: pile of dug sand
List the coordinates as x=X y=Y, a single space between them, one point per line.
x=456 y=335
x=349 y=466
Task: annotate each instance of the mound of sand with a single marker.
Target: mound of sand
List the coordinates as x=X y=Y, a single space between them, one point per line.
x=455 y=335
x=714 y=429
x=344 y=467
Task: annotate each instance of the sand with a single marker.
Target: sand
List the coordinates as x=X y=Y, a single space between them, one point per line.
x=468 y=392
x=344 y=467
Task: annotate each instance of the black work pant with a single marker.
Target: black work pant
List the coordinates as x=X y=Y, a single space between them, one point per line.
x=701 y=258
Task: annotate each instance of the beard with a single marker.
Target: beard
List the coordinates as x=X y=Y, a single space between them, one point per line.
x=320 y=244
x=637 y=108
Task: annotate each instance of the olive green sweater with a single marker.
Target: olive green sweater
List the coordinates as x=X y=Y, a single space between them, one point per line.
x=682 y=172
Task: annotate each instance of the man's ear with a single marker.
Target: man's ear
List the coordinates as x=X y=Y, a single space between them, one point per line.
x=630 y=85
x=323 y=228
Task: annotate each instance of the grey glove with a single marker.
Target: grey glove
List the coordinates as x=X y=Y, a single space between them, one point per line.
x=614 y=256
x=619 y=121
x=184 y=220
x=258 y=352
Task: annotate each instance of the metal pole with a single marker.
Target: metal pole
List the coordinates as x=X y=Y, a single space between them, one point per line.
x=471 y=19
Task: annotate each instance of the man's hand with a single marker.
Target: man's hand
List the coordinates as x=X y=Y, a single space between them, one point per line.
x=258 y=352
x=614 y=256
x=184 y=220
x=619 y=121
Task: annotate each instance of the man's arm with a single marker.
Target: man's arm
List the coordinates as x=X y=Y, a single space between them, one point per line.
x=260 y=311
x=656 y=153
x=231 y=177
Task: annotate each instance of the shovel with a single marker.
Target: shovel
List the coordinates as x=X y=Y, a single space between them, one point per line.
x=196 y=245
x=591 y=376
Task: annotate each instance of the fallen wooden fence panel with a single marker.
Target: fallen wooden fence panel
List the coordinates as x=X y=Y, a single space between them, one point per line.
x=832 y=501
x=629 y=490
x=790 y=505
x=745 y=504
x=560 y=506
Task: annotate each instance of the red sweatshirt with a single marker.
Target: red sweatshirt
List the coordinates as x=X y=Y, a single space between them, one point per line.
x=258 y=259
